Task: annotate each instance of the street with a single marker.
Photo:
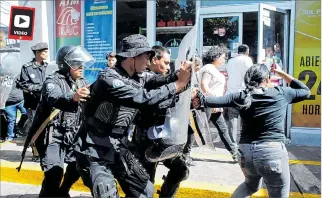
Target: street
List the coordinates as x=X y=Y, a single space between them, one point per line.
x=215 y=174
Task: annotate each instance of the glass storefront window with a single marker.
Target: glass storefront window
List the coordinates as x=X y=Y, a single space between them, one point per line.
x=250 y=33
x=174 y=19
x=221 y=31
x=210 y=3
x=273 y=37
x=130 y=19
x=273 y=41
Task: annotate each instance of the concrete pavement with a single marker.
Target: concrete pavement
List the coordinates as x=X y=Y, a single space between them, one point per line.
x=215 y=174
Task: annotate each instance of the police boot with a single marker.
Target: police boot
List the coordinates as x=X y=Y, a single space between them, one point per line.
x=17 y=132
x=169 y=188
x=51 y=182
x=70 y=177
x=177 y=173
x=22 y=121
x=35 y=154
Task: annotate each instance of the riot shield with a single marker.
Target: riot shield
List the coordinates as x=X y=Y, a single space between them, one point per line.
x=199 y=122
x=200 y=126
x=172 y=135
x=51 y=68
x=10 y=68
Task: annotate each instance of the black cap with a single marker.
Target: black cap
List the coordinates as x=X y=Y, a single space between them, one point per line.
x=135 y=45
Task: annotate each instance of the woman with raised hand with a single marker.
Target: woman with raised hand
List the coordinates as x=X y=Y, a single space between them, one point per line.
x=262 y=152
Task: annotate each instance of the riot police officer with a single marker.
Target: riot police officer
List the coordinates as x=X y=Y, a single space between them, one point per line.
x=31 y=80
x=59 y=109
x=116 y=97
x=178 y=168
x=32 y=77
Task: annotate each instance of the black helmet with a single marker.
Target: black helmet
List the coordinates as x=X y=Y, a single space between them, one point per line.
x=61 y=53
x=70 y=56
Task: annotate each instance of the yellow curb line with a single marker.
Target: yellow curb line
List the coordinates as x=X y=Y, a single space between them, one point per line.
x=200 y=156
x=187 y=188
x=305 y=162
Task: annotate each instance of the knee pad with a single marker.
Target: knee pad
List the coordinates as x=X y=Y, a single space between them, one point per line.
x=104 y=187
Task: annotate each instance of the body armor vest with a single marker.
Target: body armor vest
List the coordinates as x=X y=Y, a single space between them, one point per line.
x=110 y=118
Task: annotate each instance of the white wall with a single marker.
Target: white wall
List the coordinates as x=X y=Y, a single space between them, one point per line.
x=43 y=29
x=5 y=11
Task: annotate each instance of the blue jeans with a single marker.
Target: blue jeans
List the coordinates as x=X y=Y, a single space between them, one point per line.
x=266 y=161
x=11 y=112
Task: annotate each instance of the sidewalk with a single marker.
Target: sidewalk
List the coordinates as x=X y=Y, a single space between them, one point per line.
x=215 y=174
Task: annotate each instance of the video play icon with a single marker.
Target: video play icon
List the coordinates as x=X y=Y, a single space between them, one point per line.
x=21 y=21
x=21 y=24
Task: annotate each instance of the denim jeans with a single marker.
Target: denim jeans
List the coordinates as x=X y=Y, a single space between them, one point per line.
x=266 y=161
x=11 y=113
x=218 y=120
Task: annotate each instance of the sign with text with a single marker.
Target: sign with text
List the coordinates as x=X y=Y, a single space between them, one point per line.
x=68 y=22
x=21 y=24
x=98 y=30
x=307 y=62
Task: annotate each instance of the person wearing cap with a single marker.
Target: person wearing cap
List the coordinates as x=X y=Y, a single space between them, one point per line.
x=61 y=94
x=116 y=97
x=32 y=75
x=31 y=79
x=111 y=59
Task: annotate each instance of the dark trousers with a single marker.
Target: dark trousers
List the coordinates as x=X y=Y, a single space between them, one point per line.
x=126 y=168
x=190 y=141
x=52 y=159
x=219 y=122
x=231 y=116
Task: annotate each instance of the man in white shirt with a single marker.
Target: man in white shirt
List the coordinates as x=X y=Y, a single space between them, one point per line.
x=236 y=69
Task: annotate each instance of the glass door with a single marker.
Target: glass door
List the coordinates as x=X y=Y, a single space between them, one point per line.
x=272 y=36
x=221 y=29
x=273 y=31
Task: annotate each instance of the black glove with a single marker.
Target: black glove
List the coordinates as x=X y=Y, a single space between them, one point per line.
x=199 y=101
x=36 y=88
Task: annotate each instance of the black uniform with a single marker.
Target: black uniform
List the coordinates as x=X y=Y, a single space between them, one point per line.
x=178 y=169
x=55 y=145
x=115 y=100
x=31 y=80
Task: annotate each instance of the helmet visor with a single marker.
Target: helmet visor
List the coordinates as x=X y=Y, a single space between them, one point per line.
x=79 y=57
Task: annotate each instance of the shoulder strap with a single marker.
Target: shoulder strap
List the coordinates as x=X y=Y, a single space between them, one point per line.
x=43 y=125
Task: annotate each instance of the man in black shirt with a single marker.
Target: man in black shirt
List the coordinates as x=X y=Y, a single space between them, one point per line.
x=31 y=81
x=32 y=76
x=116 y=96
x=178 y=168
x=61 y=93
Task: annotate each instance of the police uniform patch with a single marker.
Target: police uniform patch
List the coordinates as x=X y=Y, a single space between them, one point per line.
x=32 y=75
x=117 y=83
x=50 y=86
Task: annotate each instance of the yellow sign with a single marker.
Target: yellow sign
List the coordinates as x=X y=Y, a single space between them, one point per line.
x=307 y=62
